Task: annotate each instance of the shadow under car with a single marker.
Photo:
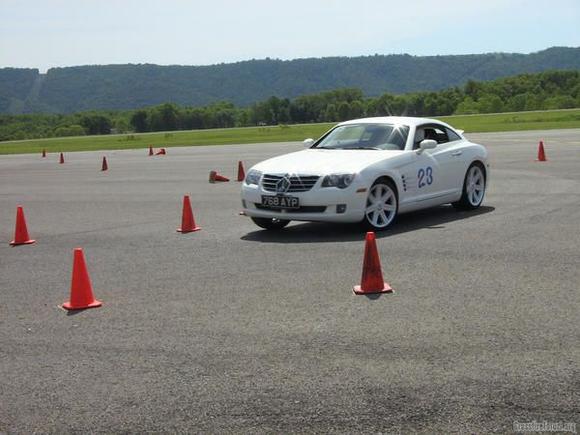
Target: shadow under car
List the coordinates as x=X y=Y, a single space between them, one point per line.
x=323 y=232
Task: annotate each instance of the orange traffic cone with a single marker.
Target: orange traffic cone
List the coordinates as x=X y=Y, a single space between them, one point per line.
x=219 y=177
x=150 y=151
x=43 y=153
x=61 y=161
x=104 y=167
x=541 y=153
x=81 y=290
x=21 y=232
x=187 y=221
x=372 y=276
x=161 y=152
x=241 y=172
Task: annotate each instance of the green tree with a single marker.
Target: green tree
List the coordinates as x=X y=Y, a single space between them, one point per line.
x=517 y=103
x=467 y=107
x=140 y=121
x=164 y=117
x=121 y=125
x=96 y=124
x=356 y=109
x=490 y=104
x=71 y=130
x=560 y=102
x=330 y=113
x=343 y=111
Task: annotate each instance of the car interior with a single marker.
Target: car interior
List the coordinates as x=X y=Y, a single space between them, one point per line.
x=430 y=132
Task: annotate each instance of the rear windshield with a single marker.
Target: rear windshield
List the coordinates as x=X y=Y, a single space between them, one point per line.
x=366 y=136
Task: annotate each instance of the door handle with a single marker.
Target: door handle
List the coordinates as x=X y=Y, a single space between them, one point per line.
x=456 y=153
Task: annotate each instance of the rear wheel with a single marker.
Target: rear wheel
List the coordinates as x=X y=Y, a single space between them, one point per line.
x=473 y=188
x=270 y=223
x=382 y=205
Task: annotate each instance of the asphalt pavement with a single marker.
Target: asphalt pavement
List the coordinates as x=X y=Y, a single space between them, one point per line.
x=236 y=329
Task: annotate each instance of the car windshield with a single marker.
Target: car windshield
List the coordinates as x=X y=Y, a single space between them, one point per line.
x=366 y=136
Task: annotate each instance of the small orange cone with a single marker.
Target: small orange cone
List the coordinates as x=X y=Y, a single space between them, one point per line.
x=81 y=290
x=372 y=275
x=161 y=152
x=187 y=221
x=241 y=172
x=105 y=166
x=61 y=161
x=214 y=176
x=21 y=232
x=150 y=151
x=541 y=153
x=43 y=153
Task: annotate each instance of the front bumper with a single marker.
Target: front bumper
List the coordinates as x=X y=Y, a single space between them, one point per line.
x=317 y=204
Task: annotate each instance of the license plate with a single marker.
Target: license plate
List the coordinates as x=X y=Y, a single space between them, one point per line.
x=280 y=202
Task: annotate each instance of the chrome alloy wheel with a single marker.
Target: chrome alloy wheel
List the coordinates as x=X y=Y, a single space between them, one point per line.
x=381 y=206
x=475 y=186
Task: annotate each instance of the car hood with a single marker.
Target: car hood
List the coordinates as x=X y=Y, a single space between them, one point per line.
x=322 y=162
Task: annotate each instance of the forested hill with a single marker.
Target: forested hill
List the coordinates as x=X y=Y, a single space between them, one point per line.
x=73 y=89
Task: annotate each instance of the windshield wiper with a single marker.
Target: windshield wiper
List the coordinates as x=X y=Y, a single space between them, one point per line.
x=361 y=148
x=347 y=148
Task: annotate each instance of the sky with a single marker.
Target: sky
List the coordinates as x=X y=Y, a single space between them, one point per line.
x=50 y=33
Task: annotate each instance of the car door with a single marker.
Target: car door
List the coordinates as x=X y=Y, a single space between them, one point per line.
x=446 y=160
x=422 y=177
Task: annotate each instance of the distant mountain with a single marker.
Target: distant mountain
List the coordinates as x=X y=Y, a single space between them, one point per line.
x=71 y=89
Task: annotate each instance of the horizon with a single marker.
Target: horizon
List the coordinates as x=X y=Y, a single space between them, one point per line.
x=284 y=60
x=64 y=33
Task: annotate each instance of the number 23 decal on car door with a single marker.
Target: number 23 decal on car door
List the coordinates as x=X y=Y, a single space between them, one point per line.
x=425 y=177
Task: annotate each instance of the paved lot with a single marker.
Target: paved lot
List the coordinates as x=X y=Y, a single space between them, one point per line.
x=234 y=329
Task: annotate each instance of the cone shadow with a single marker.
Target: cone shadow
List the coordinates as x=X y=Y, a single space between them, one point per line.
x=374 y=296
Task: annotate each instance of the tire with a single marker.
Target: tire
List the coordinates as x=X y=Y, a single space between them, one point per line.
x=270 y=223
x=381 y=211
x=474 y=185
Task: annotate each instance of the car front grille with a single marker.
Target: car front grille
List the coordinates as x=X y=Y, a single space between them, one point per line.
x=298 y=183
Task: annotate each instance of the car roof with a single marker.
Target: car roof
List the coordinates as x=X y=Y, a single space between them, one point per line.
x=406 y=120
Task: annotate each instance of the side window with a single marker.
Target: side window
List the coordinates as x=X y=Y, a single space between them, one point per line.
x=419 y=136
x=452 y=135
x=434 y=132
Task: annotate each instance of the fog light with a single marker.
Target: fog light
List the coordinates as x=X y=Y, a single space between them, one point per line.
x=244 y=203
x=340 y=208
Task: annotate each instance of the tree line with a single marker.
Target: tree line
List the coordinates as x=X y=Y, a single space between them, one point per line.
x=547 y=90
x=130 y=86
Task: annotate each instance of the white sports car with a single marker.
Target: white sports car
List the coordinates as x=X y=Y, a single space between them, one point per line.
x=368 y=170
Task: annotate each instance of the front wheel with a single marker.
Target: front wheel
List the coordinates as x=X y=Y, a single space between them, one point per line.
x=270 y=223
x=382 y=205
x=473 y=188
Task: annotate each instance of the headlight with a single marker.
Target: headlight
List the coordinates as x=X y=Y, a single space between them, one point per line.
x=342 y=181
x=253 y=177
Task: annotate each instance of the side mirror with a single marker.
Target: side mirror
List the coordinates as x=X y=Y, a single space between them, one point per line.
x=427 y=144
x=308 y=142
